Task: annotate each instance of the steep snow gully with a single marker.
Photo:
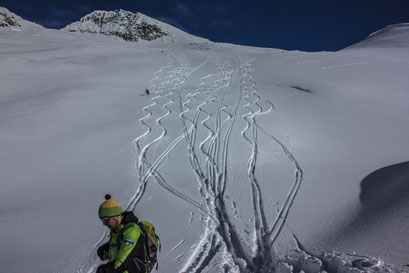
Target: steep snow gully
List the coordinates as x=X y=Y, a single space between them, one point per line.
x=208 y=114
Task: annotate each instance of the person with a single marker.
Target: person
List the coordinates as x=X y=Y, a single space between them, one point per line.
x=125 y=250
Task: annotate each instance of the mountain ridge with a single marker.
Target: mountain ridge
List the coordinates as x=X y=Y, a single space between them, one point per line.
x=134 y=27
x=391 y=36
x=9 y=20
x=124 y=24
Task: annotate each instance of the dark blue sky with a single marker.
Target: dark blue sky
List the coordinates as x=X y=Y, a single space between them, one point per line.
x=289 y=24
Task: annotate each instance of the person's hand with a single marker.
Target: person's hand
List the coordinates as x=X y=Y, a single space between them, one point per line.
x=105 y=255
x=102 y=252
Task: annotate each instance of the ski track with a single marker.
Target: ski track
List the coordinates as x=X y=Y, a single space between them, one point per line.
x=327 y=60
x=207 y=116
x=212 y=175
x=342 y=65
x=172 y=82
x=208 y=184
x=208 y=160
x=265 y=238
x=262 y=248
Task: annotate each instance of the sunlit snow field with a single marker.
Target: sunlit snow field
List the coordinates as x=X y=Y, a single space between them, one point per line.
x=236 y=149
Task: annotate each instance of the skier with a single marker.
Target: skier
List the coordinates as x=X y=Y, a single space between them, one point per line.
x=125 y=249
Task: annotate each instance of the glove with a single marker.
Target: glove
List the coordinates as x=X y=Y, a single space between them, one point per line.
x=102 y=252
x=106 y=268
x=101 y=269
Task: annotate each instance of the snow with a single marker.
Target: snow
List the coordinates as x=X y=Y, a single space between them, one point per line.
x=229 y=156
x=391 y=36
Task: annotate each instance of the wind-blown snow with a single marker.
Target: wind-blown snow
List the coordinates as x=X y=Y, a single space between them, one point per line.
x=245 y=159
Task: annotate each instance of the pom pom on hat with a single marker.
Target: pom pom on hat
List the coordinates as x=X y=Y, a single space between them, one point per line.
x=109 y=208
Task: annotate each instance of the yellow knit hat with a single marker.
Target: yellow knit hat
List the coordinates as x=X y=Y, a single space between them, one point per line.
x=109 y=208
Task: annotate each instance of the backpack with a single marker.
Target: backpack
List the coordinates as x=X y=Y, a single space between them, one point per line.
x=151 y=243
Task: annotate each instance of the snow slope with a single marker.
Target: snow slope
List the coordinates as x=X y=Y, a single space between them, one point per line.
x=390 y=37
x=237 y=152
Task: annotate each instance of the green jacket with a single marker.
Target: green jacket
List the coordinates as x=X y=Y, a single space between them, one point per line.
x=119 y=251
x=127 y=252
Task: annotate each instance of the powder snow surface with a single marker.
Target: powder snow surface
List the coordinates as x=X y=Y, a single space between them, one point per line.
x=236 y=152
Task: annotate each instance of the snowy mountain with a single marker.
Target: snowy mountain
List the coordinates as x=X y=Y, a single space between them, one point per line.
x=246 y=159
x=127 y=25
x=9 y=20
x=389 y=37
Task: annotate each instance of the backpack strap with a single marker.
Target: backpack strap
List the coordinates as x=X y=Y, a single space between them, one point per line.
x=159 y=244
x=145 y=245
x=137 y=262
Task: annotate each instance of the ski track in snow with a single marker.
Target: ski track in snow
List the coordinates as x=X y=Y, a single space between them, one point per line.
x=212 y=173
x=208 y=112
x=207 y=115
x=342 y=65
x=163 y=92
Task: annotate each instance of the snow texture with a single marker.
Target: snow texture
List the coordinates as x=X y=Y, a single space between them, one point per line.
x=245 y=159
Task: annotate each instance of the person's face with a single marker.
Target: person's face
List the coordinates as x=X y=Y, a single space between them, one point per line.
x=112 y=222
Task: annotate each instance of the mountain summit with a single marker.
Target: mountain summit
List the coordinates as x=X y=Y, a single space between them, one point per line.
x=392 y=36
x=9 y=20
x=124 y=24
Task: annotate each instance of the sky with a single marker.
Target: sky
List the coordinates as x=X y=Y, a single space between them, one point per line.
x=293 y=24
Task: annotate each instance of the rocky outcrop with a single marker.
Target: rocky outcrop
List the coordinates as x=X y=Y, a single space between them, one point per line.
x=124 y=24
x=9 y=20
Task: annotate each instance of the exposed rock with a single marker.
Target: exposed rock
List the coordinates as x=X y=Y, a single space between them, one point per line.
x=127 y=25
x=9 y=20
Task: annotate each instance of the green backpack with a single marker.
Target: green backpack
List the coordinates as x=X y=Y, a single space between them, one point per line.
x=151 y=243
